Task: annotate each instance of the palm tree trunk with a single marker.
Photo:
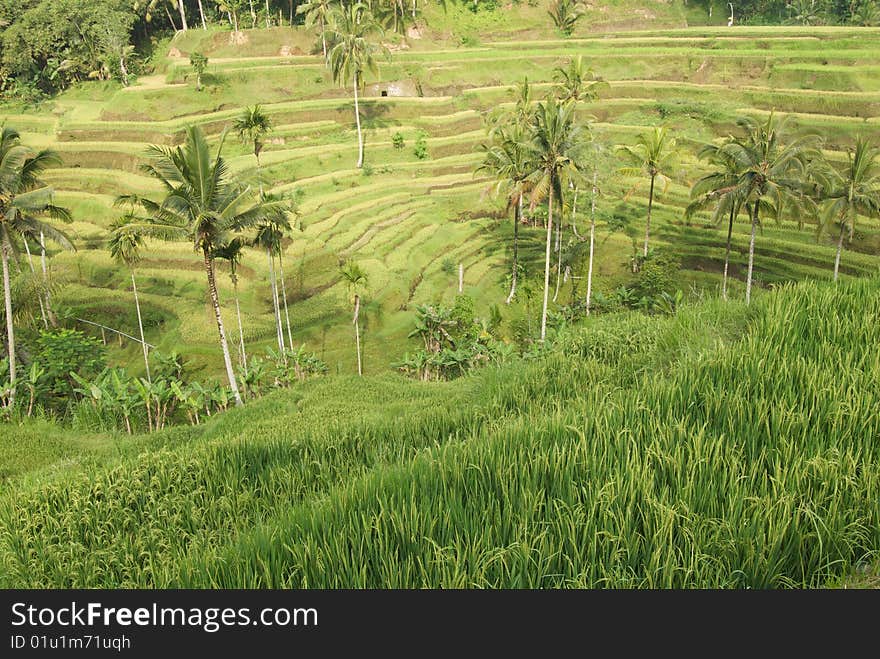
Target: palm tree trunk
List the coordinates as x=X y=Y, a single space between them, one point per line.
x=275 y=302
x=559 y=257
x=52 y=319
x=727 y=255
x=754 y=214
x=516 y=220
x=574 y=204
x=592 y=245
x=357 y=116
x=182 y=15
x=10 y=333
x=137 y=305
x=650 y=206
x=839 y=250
x=357 y=331
x=323 y=39
x=202 y=15
x=215 y=302
x=34 y=273
x=240 y=331
x=461 y=277
x=170 y=19
x=284 y=297
x=547 y=265
x=253 y=15
x=267 y=13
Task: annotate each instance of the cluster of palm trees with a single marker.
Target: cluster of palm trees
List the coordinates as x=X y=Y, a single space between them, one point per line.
x=544 y=152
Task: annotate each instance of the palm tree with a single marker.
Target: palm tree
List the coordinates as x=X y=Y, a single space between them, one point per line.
x=23 y=196
x=232 y=252
x=317 y=12
x=356 y=279
x=252 y=126
x=556 y=144
x=125 y=244
x=577 y=82
x=353 y=53
x=719 y=188
x=852 y=192
x=507 y=159
x=269 y=236
x=771 y=172
x=204 y=204
x=654 y=154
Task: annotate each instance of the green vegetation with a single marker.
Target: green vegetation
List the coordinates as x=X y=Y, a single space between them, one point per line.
x=676 y=390
x=720 y=447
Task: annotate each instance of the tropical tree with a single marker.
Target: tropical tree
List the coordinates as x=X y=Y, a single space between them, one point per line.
x=232 y=253
x=565 y=14
x=356 y=279
x=772 y=172
x=719 y=188
x=852 y=191
x=125 y=244
x=199 y=63
x=252 y=126
x=556 y=146
x=317 y=12
x=507 y=158
x=204 y=204
x=269 y=235
x=577 y=82
x=353 y=53
x=23 y=197
x=654 y=154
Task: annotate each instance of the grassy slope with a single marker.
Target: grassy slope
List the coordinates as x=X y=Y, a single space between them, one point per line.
x=724 y=447
x=411 y=222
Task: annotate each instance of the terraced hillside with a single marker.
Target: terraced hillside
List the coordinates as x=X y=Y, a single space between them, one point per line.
x=411 y=221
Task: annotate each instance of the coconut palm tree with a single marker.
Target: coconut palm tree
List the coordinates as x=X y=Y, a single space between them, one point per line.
x=269 y=235
x=507 y=159
x=232 y=252
x=356 y=279
x=556 y=146
x=718 y=188
x=252 y=126
x=654 y=154
x=125 y=244
x=23 y=196
x=204 y=204
x=852 y=191
x=353 y=53
x=772 y=172
x=317 y=12
x=577 y=82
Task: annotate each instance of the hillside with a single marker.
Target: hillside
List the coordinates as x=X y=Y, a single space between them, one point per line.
x=723 y=447
x=410 y=221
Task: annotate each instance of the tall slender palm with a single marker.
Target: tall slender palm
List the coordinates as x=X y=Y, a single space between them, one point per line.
x=353 y=53
x=852 y=191
x=204 y=204
x=269 y=235
x=577 y=82
x=232 y=253
x=23 y=196
x=507 y=159
x=317 y=12
x=718 y=188
x=771 y=172
x=556 y=148
x=252 y=126
x=654 y=154
x=125 y=247
x=356 y=279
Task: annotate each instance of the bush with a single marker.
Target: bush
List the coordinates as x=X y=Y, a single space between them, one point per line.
x=60 y=352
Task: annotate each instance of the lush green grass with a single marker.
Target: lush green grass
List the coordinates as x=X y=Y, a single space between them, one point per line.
x=723 y=447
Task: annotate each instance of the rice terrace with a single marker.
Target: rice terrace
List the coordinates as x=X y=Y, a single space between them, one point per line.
x=533 y=294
